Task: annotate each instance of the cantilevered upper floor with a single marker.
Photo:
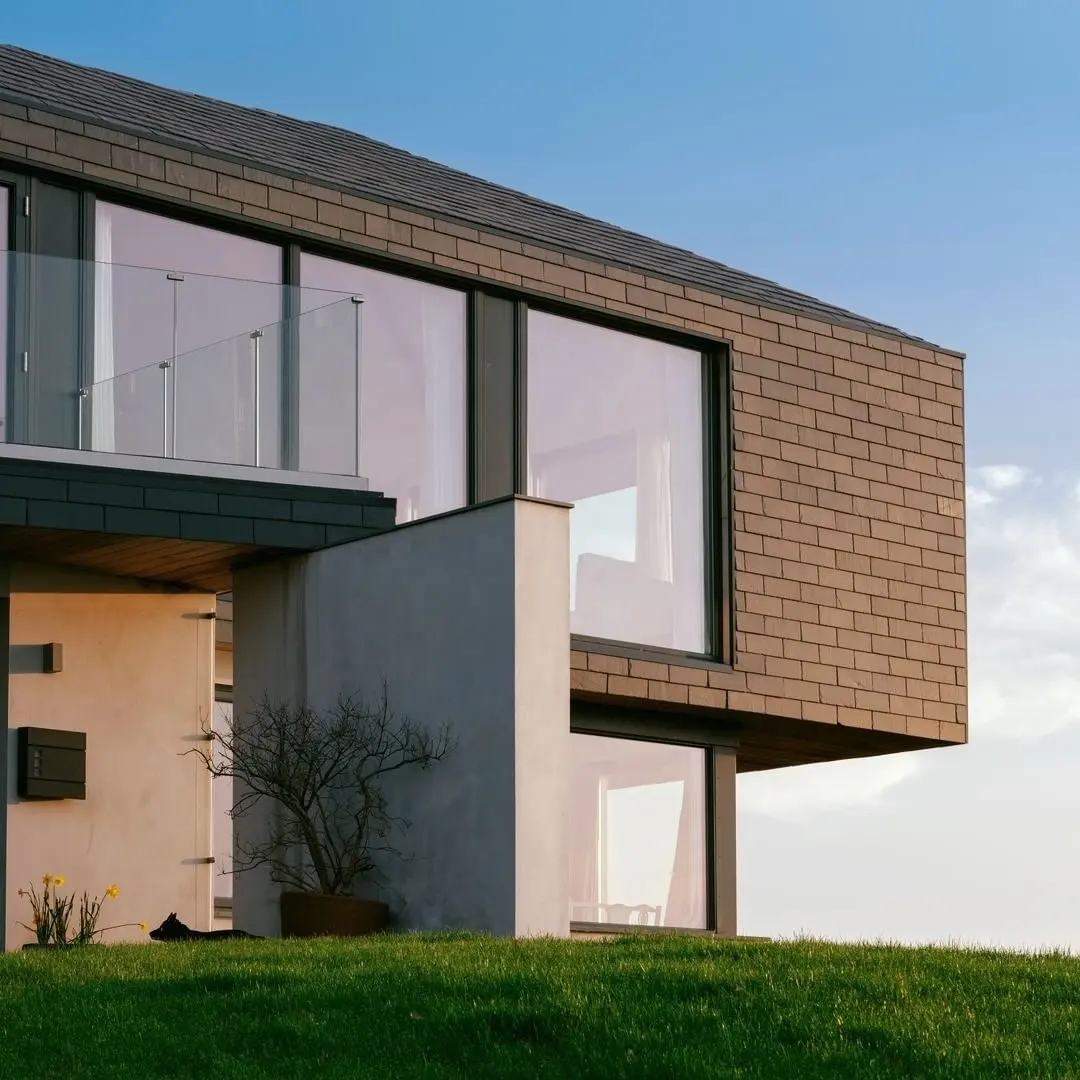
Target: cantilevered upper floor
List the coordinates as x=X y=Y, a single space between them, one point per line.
x=768 y=489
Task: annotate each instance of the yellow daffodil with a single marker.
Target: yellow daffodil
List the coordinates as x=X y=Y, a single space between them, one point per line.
x=144 y=926
x=58 y=881
x=46 y=880
x=112 y=892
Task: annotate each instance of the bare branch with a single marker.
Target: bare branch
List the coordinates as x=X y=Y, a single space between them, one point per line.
x=323 y=770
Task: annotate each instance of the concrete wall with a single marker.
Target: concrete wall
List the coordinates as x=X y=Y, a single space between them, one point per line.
x=466 y=617
x=137 y=678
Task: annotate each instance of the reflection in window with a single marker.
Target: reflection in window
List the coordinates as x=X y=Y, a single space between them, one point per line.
x=638 y=853
x=5 y=345
x=614 y=427
x=222 y=801
x=157 y=277
x=412 y=387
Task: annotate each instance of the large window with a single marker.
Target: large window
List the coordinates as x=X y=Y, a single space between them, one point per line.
x=166 y=288
x=411 y=392
x=615 y=427
x=638 y=829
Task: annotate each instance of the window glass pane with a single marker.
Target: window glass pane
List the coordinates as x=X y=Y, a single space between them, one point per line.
x=5 y=215
x=412 y=388
x=158 y=277
x=614 y=427
x=222 y=801
x=638 y=848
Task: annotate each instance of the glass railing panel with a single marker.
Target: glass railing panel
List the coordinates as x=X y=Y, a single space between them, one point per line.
x=144 y=315
x=226 y=402
x=149 y=362
x=328 y=341
x=214 y=395
x=126 y=414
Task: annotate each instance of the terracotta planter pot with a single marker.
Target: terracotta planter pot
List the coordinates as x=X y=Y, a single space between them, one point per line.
x=316 y=915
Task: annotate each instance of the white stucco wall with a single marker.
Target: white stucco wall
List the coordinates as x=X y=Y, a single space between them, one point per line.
x=466 y=617
x=137 y=678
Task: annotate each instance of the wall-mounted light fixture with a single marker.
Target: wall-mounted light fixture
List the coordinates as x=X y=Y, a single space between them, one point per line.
x=36 y=659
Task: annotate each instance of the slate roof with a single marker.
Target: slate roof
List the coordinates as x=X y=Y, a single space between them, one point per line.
x=334 y=157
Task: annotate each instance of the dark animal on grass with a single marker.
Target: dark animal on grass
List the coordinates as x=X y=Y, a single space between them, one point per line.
x=172 y=929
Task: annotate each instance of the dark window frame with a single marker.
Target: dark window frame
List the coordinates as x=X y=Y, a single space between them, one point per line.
x=717 y=474
x=717 y=359
x=583 y=726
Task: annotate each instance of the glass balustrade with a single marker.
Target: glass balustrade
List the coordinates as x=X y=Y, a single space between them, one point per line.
x=166 y=364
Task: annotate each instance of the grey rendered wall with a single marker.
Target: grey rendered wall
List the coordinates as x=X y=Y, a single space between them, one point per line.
x=467 y=617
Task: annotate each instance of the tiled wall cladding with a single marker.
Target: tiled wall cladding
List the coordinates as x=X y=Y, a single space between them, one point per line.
x=849 y=474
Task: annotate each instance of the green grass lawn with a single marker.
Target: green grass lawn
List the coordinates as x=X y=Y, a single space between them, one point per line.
x=407 y=1006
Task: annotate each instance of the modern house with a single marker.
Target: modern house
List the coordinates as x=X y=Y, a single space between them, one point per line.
x=286 y=411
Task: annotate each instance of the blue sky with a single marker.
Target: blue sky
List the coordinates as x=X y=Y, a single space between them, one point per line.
x=916 y=162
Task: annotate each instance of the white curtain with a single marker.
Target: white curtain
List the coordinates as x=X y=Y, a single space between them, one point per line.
x=654 y=540
x=101 y=402
x=442 y=487
x=683 y=412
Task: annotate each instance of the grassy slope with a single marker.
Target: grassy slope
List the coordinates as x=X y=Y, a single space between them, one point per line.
x=452 y=1006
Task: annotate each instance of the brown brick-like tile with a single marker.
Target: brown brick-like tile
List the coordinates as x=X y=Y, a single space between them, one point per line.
x=621 y=686
x=688 y=676
x=421 y=221
x=707 y=698
x=78 y=146
x=289 y=202
x=214 y=201
x=113 y=176
x=142 y=164
x=59 y=161
x=314 y=191
x=231 y=187
x=12 y=129
x=160 y=187
x=343 y=217
x=60 y=123
x=605 y=287
x=593 y=682
x=666 y=691
x=522 y=265
x=191 y=176
x=647 y=669
x=163 y=150
x=612 y=665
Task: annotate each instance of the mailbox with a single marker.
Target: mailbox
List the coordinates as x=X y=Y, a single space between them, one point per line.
x=51 y=764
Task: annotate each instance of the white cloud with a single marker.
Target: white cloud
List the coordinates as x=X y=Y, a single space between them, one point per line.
x=1024 y=614
x=986 y=482
x=834 y=785
x=1002 y=477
